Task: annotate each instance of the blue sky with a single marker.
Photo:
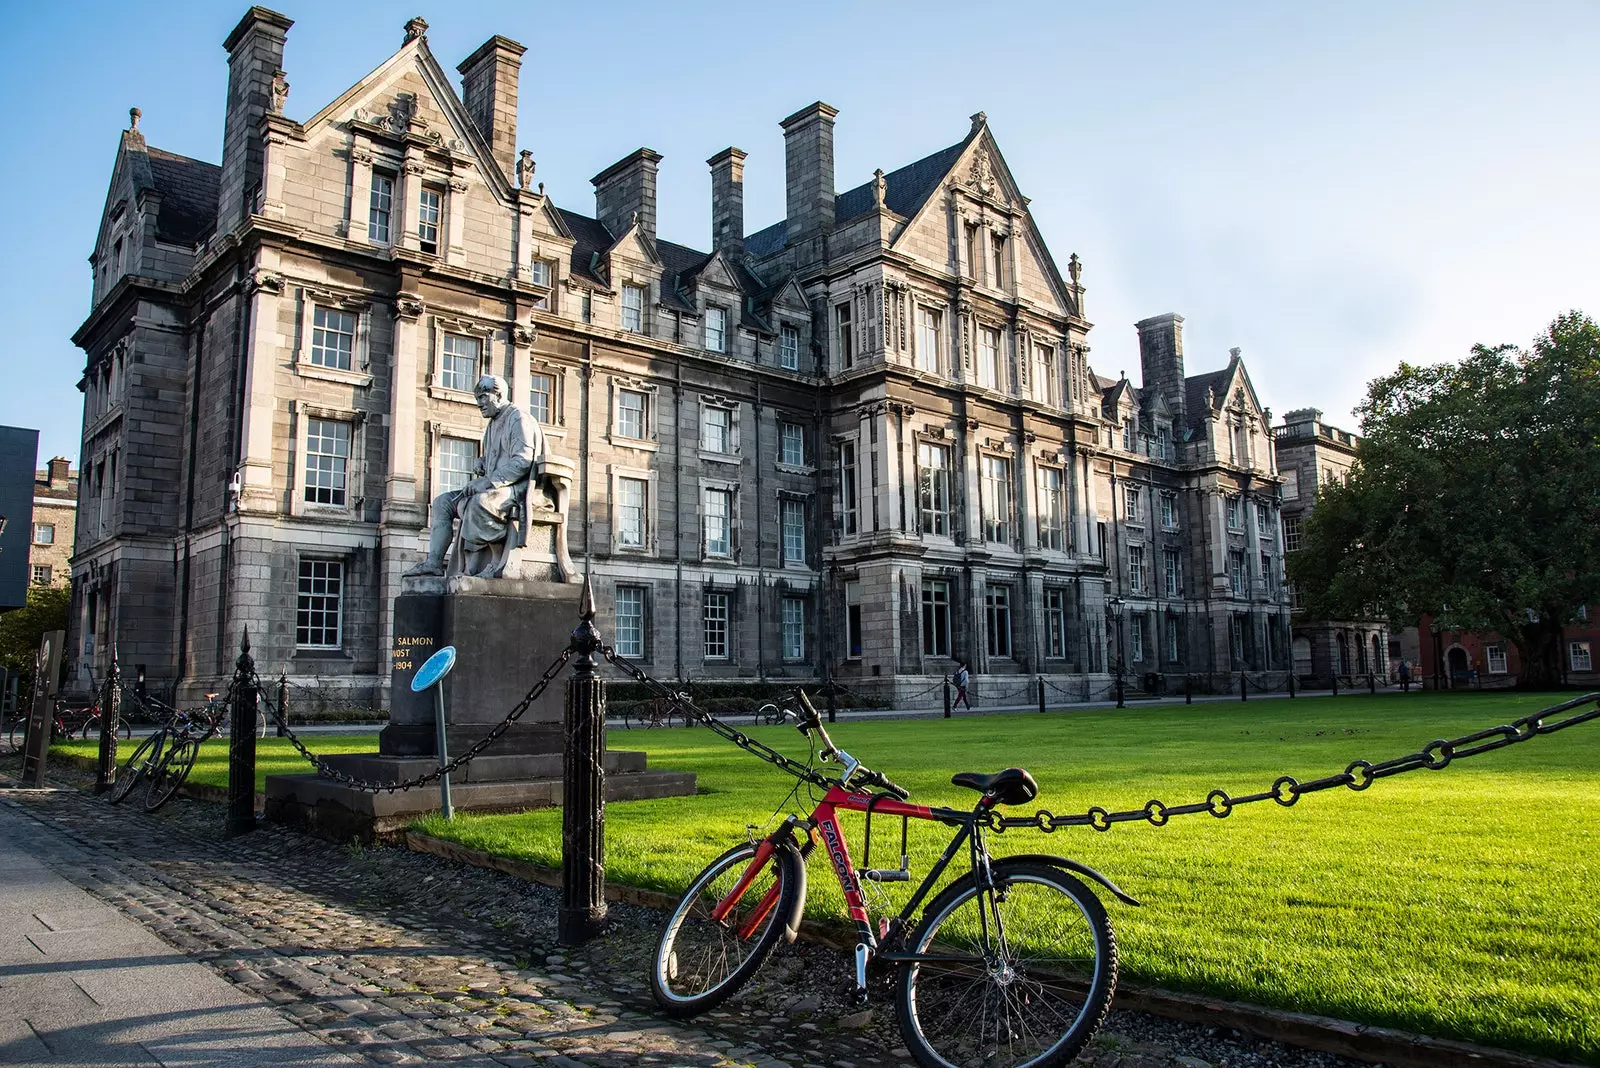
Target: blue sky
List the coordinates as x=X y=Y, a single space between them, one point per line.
x=1333 y=188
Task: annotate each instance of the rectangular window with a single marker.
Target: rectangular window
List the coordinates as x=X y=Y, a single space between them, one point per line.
x=1047 y=383
x=794 y=532
x=1268 y=576
x=715 y=616
x=542 y=398
x=974 y=267
x=333 y=338
x=1235 y=513
x=633 y=415
x=319 y=605
x=1163 y=443
x=716 y=330
x=327 y=461
x=460 y=362
x=1236 y=638
x=1048 y=487
x=1496 y=655
x=847 y=337
x=933 y=462
x=997 y=619
x=539 y=273
x=1130 y=502
x=1173 y=654
x=852 y=620
x=990 y=375
x=633 y=512
x=1127 y=435
x=44 y=533
x=1236 y=578
x=1169 y=566
x=792 y=445
x=794 y=628
x=380 y=208
x=633 y=309
x=428 y=215
x=630 y=620
x=716 y=429
x=1136 y=637
x=935 y=618
x=997 y=261
x=1169 y=512
x=847 y=485
x=42 y=574
x=1578 y=654
x=457 y=458
x=928 y=345
x=996 y=499
x=719 y=522
x=1100 y=540
x=586 y=307
x=1291 y=533
x=788 y=348
x=1055 y=624
x=1136 y=568
x=1263 y=520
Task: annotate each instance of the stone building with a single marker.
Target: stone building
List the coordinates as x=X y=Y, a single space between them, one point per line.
x=1310 y=453
x=55 y=514
x=863 y=440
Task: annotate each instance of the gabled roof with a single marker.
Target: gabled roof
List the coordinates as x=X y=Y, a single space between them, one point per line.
x=188 y=189
x=591 y=239
x=1195 y=388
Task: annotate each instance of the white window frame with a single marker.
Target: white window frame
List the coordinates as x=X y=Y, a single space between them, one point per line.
x=355 y=422
x=1495 y=657
x=791 y=434
x=440 y=483
x=719 y=421
x=935 y=486
x=44 y=533
x=646 y=415
x=633 y=318
x=1130 y=502
x=380 y=202
x=1580 y=656
x=554 y=416
x=328 y=329
x=716 y=611
x=990 y=373
x=930 y=338
x=716 y=330
x=448 y=342
x=1136 y=568
x=1292 y=531
x=1238 y=573
x=541 y=273
x=792 y=535
x=332 y=569
x=999 y=497
x=430 y=219
x=359 y=373
x=1050 y=489
x=793 y=611
x=1234 y=509
x=725 y=495
x=789 y=347
x=630 y=626
x=616 y=476
x=1169 y=511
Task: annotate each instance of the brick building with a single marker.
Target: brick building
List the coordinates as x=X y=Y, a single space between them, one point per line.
x=1310 y=453
x=55 y=515
x=865 y=439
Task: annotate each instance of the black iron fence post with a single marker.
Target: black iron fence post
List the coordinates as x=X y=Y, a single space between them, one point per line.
x=283 y=700
x=110 y=713
x=1041 y=695
x=1188 y=689
x=1372 y=682
x=1291 y=683
x=947 y=697
x=242 y=742
x=1336 y=684
x=1243 y=694
x=833 y=702
x=583 y=805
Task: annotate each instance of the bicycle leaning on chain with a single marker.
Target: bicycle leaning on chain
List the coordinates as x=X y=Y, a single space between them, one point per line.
x=1013 y=963
x=164 y=759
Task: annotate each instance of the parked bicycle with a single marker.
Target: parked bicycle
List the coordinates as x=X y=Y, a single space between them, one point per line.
x=164 y=759
x=1014 y=963
x=658 y=712
x=67 y=720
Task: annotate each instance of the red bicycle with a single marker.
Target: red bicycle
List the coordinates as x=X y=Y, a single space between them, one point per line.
x=1013 y=963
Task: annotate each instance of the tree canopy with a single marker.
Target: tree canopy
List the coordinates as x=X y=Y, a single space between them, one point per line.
x=1475 y=497
x=21 y=629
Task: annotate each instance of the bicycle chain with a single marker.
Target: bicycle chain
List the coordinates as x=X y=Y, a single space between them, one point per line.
x=556 y=667
x=1286 y=790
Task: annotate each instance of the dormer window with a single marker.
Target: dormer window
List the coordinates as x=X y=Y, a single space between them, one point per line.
x=633 y=309
x=381 y=207
x=716 y=330
x=429 y=211
x=539 y=273
x=1127 y=435
x=789 y=347
x=1163 y=443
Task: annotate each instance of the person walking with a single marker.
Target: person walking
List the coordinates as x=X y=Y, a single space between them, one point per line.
x=962 y=680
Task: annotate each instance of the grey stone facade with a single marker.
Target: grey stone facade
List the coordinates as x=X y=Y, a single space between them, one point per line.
x=865 y=440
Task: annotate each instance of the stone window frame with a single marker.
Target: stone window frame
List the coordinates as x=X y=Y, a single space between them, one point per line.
x=784 y=601
x=1172 y=644
x=642 y=654
x=1047 y=375
x=787 y=498
x=850 y=510
x=376 y=171
x=937 y=437
x=307 y=298
x=1050 y=613
x=1168 y=503
x=441 y=224
x=731 y=487
x=486 y=334
x=616 y=384
x=301 y=412
x=1132 y=505
x=1138 y=568
x=1172 y=577
x=41 y=575
x=929 y=609
x=710 y=402
x=557 y=372
x=435 y=429
x=1003 y=378
x=940 y=334
x=651 y=546
x=1233 y=509
x=1003 y=451
x=842 y=313
x=1051 y=461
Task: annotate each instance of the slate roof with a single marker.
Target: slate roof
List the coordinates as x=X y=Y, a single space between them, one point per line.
x=591 y=238
x=1194 y=391
x=188 y=189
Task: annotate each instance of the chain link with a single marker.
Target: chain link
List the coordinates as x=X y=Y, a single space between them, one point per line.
x=1357 y=775
x=322 y=768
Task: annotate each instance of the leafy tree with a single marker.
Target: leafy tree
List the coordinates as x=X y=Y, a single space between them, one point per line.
x=1475 y=498
x=21 y=629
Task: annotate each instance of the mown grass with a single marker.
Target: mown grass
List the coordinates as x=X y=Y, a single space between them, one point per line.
x=274 y=756
x=1458 y=903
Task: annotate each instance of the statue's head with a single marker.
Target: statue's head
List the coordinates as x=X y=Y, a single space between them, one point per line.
x=491 y=394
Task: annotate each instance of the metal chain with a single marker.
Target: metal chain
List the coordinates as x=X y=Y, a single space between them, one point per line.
x=556 y=667
x=799 y=770
x=1358 y=775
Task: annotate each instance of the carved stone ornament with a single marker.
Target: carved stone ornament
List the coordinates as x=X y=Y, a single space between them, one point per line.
x=280 y=92
x=417 y=27
x=1074 y=268
x=880 y=189
x=266 y=281
x=409 y=307
x=525 y=169
x=522 y=336
x=361 y=155
x=458 y=185
x=983 y=173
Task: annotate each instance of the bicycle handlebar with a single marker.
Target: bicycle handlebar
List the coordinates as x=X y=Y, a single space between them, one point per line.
x=813 y=722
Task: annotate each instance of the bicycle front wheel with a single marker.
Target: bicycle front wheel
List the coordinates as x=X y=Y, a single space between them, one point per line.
x=134 y=769
x=19 y=733
x=700 y=961
x=170 y=773
x=1031 y=970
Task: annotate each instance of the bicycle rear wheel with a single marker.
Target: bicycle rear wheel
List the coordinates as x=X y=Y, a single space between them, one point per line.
x=134 y=769
x=18 y=734
x=170 y=773
x=701 y=962
x=1040 y=969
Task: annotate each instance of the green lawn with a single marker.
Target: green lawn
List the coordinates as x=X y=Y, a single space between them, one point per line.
x=1457 y=903
x=274 y=756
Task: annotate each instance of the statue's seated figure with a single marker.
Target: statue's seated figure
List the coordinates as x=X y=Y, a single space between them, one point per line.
x=516 y=485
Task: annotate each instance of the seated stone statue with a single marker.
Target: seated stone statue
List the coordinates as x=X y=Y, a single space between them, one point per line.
x=515 y=484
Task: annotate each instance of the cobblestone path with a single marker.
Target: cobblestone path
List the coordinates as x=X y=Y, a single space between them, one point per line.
x=402 y=958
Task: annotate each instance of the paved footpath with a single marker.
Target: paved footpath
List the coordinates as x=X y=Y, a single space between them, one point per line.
x=128 y=938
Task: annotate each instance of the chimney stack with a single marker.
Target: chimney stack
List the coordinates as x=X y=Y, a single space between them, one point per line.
x=60 y=471
x=727 y=202
x=489 y=89
x=808 y=169
x=255 y=55
x=1161 y=360
x=626 y=187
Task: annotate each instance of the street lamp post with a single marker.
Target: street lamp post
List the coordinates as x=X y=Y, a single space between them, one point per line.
x=1115 y=605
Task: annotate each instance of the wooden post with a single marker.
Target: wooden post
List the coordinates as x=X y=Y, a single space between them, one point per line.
x=583 y=806
x=242 y=742
x=110 y=713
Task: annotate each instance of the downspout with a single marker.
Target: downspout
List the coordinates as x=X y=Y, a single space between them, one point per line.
x=677 y=514
x=761 y=546
x=184 y=566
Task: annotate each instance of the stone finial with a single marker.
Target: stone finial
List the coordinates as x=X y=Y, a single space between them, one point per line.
x=1234 y=352
x=525 y=169
x=880 y=188
x=1074 y=268
x=133 y=118
x=979 y=119
x=417 y=27
x=280 y=92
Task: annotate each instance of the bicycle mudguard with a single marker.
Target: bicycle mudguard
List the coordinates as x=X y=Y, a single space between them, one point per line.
x=791 y=922
x=1073 y=866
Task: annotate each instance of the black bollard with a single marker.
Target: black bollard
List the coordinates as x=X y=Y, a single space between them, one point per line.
x=947 y=697
x=1243 y=696
x=1041 y=696
x=242 y=743
x=583 y=804
x=833 y=702
x=283 y=700
x=1372 y=682
x=110 y=713
x=1336 y=684
x=1291 y=685
x=1188 y=690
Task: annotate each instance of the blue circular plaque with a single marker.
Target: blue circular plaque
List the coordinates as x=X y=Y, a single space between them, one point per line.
x=436 y=668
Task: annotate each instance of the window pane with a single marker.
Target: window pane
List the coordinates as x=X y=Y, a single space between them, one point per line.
x=632 y=502
x=847 y=485
x=630 y=621
x=633 y=309
x=718 y=522
x=989 y=358
x=997 y=619
x=44 y=533
x=457 y=458
x=631 y=421
x=319 y=604
x=459 y=362
x=1055 y=615
x=716 y=626
x=716 y=330
x=716 y=430
x=852 y=619
x=789 y=348
x=794 y=532
x=539 y=273
x=996 y=499
x=541 y=398
x=936 y=619
x=847 y=350
x=794 y=628
x=794 y=445
x=927 y=339
x=428 y=213
x=327 y=461
x=333 y=338
x=381 y=207
x=934 y=490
